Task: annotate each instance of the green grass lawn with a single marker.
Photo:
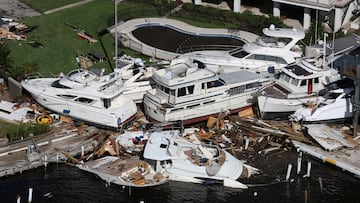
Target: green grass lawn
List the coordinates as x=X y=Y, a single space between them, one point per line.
x=44 y=5
x=5 y=126
x=60 y=43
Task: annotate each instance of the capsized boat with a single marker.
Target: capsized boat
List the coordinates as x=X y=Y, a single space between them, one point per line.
x=334 y=106
x=132 y=172
x=85 y=95
x=277 y=48
x=190 y=92
x=195 y=162
x=297 y=85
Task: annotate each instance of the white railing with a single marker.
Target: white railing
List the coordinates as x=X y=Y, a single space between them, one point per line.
x=322 y=2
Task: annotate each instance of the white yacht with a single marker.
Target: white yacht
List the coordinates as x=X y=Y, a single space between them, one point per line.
x=334 y=106
x=268 y=54
x=188 y=161
x=190 y=92
x=86 y=96
x=297 y=85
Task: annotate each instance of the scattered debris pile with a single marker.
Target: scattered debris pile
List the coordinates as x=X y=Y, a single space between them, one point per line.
x=82 y=34
x=13 y=30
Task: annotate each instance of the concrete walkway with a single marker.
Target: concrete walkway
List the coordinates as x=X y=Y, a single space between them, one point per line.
x=67 y=6
x=16 y=10
x=128 y=40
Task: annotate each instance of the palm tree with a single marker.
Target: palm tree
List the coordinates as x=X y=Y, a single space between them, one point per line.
x=19 y=72
x=5 y=60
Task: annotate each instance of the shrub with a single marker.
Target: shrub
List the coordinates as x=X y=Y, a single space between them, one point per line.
x=24 y=130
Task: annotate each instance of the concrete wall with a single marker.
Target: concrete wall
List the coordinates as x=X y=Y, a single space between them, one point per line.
x=15 y=88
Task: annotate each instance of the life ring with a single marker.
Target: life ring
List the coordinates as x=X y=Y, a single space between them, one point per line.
x=44 y=119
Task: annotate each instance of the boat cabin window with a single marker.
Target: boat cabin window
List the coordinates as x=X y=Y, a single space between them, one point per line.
x=212 y=84
x=253 y=85
x=285 y=77
x=237 y=90
x=172 y=92
x=303 y=83
x=107 y=103
x=185 y=90
x=67 y=96
x=295 y=82
x=84 y=100
x=166 y=89
x=181 y=91
x=190 y=89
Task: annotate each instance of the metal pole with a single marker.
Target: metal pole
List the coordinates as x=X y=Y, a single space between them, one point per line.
x=356 y=102
x=30 y=195
x=316 y=26
x=116 y=35
x=324 y=49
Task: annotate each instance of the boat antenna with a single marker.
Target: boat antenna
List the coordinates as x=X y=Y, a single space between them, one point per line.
x=99 y=34
x=116 y=32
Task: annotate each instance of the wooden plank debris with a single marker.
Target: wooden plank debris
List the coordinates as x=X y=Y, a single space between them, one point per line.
x=329 y=138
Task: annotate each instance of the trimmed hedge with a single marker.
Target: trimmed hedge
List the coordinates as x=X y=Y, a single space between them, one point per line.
x=242 y=21
x=24 y=130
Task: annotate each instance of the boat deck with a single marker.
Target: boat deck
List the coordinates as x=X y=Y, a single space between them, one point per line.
x=114 y=167
x=276 y=91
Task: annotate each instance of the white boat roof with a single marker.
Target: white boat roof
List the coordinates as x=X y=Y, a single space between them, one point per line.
x=180 y=76
x=284 y=32
x=158 y=145
x=238 y=76
x=302 y=69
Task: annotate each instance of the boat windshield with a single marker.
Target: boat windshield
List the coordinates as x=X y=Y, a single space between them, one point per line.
x=57 y=84
x=80 y=75
x=239 y=53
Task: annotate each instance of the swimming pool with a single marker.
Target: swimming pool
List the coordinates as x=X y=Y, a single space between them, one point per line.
x=165 y=38
x=176 y=40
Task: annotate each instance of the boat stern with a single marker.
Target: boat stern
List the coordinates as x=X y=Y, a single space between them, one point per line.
x=124 y=112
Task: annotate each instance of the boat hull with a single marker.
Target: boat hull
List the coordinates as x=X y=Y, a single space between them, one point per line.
x=196 y=114
x=121 y=112
x=340 y=111
x=270 y=105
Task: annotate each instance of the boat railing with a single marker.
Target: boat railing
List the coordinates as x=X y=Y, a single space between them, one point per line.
x=187 y=49
x=39 y=75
